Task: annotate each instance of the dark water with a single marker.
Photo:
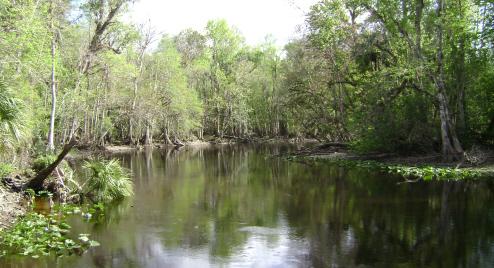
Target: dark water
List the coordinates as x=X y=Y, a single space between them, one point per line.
x=235 y=207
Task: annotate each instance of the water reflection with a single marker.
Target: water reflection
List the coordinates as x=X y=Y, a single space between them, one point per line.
x=235 y=206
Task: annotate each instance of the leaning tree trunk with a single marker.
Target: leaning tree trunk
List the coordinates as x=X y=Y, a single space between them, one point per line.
x=37 y=182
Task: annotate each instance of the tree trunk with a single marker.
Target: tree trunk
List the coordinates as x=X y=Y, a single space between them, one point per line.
x=167 y=138
x=51 y=131
x=37 y=182
x=451 y=147
x=148 y=36
x=419 y=7
x=449 y=153
x=461 y=81
x=102 y=22
x=148 y=138
x=134 y=102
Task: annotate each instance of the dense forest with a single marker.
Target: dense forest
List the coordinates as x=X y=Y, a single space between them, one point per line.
x=410 y=76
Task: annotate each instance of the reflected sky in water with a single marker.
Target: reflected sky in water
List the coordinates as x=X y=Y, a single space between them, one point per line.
x=234 y=206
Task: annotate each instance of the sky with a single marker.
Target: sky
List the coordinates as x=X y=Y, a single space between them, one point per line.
x=254 y=18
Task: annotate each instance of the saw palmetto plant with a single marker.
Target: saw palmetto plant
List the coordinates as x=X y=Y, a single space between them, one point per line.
x=11 y=122
x=107 y=181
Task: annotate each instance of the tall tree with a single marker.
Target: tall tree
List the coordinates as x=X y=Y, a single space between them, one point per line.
x=54 y=5
x=147 y=35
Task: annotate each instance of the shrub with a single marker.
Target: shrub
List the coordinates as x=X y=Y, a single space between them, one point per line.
x=11 y=118
x=107 y=181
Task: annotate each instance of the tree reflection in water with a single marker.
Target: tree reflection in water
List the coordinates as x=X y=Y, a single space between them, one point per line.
x=236 y=206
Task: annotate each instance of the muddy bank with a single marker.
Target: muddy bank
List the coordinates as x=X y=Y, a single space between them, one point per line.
x=12 y=205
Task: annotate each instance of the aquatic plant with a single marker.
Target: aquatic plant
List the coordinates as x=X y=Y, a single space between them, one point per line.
x=38 y=235
x=421 y=172
x=429 y=172
x=107 y=181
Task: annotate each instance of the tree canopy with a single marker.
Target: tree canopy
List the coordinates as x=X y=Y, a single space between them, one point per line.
x=395 y=75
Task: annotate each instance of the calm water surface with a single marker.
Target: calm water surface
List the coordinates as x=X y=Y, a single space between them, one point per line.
x=233 y=206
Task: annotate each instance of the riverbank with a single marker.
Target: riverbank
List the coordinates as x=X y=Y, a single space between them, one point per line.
x=196 y=143
x=12 y=206
x=426 y=167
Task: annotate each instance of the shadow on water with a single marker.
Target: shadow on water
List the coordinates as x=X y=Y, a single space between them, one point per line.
x=236 y=206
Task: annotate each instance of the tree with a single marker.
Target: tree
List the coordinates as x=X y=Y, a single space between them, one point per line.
x=55 y=15
x=147 y=36
x=225 y=45
x=407 y=48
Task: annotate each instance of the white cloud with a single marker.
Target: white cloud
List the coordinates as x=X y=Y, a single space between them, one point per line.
x=254 y=18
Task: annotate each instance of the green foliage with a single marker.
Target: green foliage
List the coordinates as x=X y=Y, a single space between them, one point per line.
x=10 y=117
x=107 y=181
x=365 y=72
x=429 y=172
x=6 y=169
x=43 y=161
x=176 y=106
x=37 y=235
x=479 y=104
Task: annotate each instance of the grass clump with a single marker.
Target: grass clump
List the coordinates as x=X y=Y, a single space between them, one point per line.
x=107 y=181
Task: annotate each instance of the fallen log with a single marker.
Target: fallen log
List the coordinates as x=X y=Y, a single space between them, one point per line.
x=178 y=143
x=333 y=144
x=37 y=182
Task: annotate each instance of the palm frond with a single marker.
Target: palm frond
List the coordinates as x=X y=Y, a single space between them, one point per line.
x=11 y=117
x=107 y=180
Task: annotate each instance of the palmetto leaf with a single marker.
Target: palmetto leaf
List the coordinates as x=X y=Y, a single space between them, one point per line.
x=107 y=180
x=10 y=116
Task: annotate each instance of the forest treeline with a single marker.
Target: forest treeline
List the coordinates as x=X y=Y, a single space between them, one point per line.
x=392 y=75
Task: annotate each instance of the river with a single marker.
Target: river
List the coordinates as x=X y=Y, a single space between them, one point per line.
x=235 y=206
